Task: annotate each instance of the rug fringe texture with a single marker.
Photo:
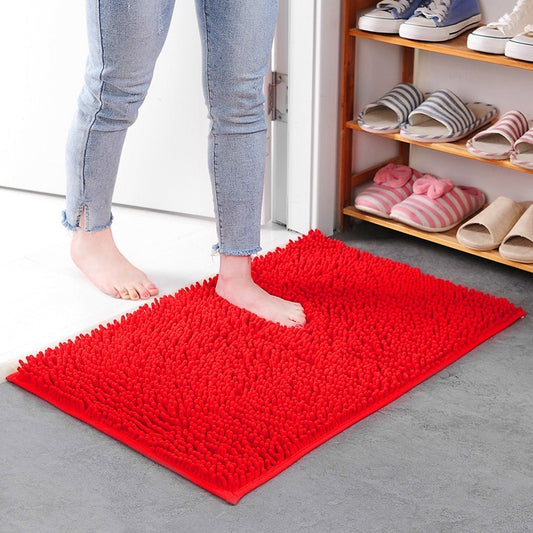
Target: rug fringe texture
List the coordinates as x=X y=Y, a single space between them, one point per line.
x=229 y=400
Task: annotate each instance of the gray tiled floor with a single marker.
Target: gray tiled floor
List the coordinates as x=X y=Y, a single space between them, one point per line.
x=455 y=454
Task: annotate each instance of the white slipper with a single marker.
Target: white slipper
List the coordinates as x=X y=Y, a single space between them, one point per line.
x=518 y=244
x=488 y=228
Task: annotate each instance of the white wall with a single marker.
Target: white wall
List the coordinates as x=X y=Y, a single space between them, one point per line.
x=42 y=50
x=505 y=87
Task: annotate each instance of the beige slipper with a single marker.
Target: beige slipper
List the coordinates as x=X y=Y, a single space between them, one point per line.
x=518 y=244
x=487 y=229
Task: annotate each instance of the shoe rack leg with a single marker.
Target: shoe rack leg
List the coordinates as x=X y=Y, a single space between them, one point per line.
x=346 y=108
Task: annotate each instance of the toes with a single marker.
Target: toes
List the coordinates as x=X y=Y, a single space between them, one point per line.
x=132 y=290
x=153 y=289
x=292 y=323
x=124 y=293
x=298 y=321
x=142 y=291
x=298 y=317
x=110 y=290
x=150 y=289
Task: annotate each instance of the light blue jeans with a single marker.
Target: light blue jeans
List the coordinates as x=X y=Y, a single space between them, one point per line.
x=125 y=39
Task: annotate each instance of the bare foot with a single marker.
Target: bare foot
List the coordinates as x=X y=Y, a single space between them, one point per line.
x=235 y=285
x=98 y=257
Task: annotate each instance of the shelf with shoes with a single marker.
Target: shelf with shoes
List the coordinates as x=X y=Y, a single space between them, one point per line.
x=348 y=125
x=446 y=238
x=455 y=47
x=456 y=148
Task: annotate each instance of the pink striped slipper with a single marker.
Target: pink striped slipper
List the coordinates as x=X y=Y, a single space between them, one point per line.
x=522 y=154
x=392 y=184
x=497 y=141
x=437 y=205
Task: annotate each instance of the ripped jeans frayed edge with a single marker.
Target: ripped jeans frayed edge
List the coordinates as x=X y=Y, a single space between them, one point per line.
x=215 y=250
x=77 y=227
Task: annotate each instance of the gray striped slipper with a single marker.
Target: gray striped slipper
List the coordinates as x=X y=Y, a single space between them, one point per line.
x=444 y=117
x=387 y=114
x=497 y=141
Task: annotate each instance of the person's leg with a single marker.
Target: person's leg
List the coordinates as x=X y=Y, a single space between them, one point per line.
x=237 y=40
x=125 y=39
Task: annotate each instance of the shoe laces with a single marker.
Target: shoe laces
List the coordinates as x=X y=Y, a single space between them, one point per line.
x=436 y=9
x=399 y=5
x=510 y=20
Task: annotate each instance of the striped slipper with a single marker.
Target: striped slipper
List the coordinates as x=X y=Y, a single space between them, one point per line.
x=444 y=117
x=522 y=154
x=437 y=205
x=392 y=184
x=497 y=141
x=387 y=114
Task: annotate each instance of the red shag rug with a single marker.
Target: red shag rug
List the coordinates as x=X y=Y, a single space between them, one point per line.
x=229 y=400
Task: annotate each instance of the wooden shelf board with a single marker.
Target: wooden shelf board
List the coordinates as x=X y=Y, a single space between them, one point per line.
x=455 y=47
x=445 y=238
x=455 y=148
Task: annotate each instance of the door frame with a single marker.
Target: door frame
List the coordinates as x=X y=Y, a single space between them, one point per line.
x=312 y=127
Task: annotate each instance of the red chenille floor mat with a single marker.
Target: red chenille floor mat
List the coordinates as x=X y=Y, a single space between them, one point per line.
x=229 y=400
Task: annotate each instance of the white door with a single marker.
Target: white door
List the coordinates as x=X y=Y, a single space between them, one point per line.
x=164 y=161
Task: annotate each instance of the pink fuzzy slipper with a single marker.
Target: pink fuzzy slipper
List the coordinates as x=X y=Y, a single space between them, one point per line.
x=392 y=184
x=437 y=205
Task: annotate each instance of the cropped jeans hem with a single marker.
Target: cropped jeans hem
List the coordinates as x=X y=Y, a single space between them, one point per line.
x=216 y=250
x=72 y=227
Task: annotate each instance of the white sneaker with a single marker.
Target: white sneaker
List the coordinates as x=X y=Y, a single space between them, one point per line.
x=493 y=37
x=521 y=45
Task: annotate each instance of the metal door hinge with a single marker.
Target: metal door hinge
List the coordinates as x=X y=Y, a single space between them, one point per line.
x=278 y=94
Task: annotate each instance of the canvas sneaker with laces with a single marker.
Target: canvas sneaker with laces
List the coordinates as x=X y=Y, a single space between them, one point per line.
x=521 y=45
x=441 y=20
x=493 y=37
x=388 y=15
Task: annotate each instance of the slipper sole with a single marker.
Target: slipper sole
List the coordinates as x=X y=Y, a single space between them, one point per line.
x=495 y=156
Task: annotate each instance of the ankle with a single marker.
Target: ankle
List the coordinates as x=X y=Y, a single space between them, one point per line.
x=235 y=268
x=89 y=238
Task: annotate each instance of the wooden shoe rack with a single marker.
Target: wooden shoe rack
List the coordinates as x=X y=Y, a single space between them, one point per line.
x=347 y=179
